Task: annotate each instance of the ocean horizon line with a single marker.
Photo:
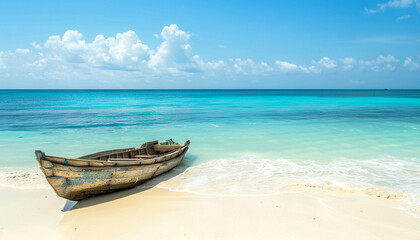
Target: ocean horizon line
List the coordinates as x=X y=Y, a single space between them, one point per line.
x=210 y=89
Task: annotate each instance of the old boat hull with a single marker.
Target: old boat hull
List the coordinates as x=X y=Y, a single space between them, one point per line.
x=99 y=177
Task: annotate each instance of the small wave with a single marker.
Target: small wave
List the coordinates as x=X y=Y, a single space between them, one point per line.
x=385 y=178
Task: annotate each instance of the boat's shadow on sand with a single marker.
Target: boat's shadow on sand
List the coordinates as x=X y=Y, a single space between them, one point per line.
x=95 y=200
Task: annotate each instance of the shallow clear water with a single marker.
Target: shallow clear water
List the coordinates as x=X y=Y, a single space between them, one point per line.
x=363 y=137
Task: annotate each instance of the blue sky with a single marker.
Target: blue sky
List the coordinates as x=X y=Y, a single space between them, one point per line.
x=213 y=44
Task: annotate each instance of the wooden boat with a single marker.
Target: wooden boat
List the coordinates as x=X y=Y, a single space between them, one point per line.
x=103 y=172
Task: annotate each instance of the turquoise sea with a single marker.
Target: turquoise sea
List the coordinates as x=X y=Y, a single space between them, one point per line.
x=242 y=141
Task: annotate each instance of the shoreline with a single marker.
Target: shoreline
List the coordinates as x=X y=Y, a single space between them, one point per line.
x=185 y=181
x=157 y=213
x=204 y=181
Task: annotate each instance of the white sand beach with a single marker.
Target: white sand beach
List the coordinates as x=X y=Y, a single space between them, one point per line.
x=162 y=214
x=210 y=120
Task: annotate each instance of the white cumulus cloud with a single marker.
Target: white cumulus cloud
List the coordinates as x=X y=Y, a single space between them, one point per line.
x=404 y=17
x=348 y=63
x=2 y=65
x=394 y=4
x=174 y=53
x=286 y=66
x=124 y=51
x=327 y=63
x=380 y=63
x=36 y=45
x=315 y=67
x=249 y=66
x=410 y=64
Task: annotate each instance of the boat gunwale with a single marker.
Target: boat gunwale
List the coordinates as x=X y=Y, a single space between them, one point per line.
x=106 y=163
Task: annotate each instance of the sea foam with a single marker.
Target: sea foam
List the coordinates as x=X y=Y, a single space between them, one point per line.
x=252 y=176
x=24 y=179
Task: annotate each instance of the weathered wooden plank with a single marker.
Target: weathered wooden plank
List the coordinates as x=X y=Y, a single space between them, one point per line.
x=123 y=159
x=145 y=156
x=99 y=154
x=166 y=148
